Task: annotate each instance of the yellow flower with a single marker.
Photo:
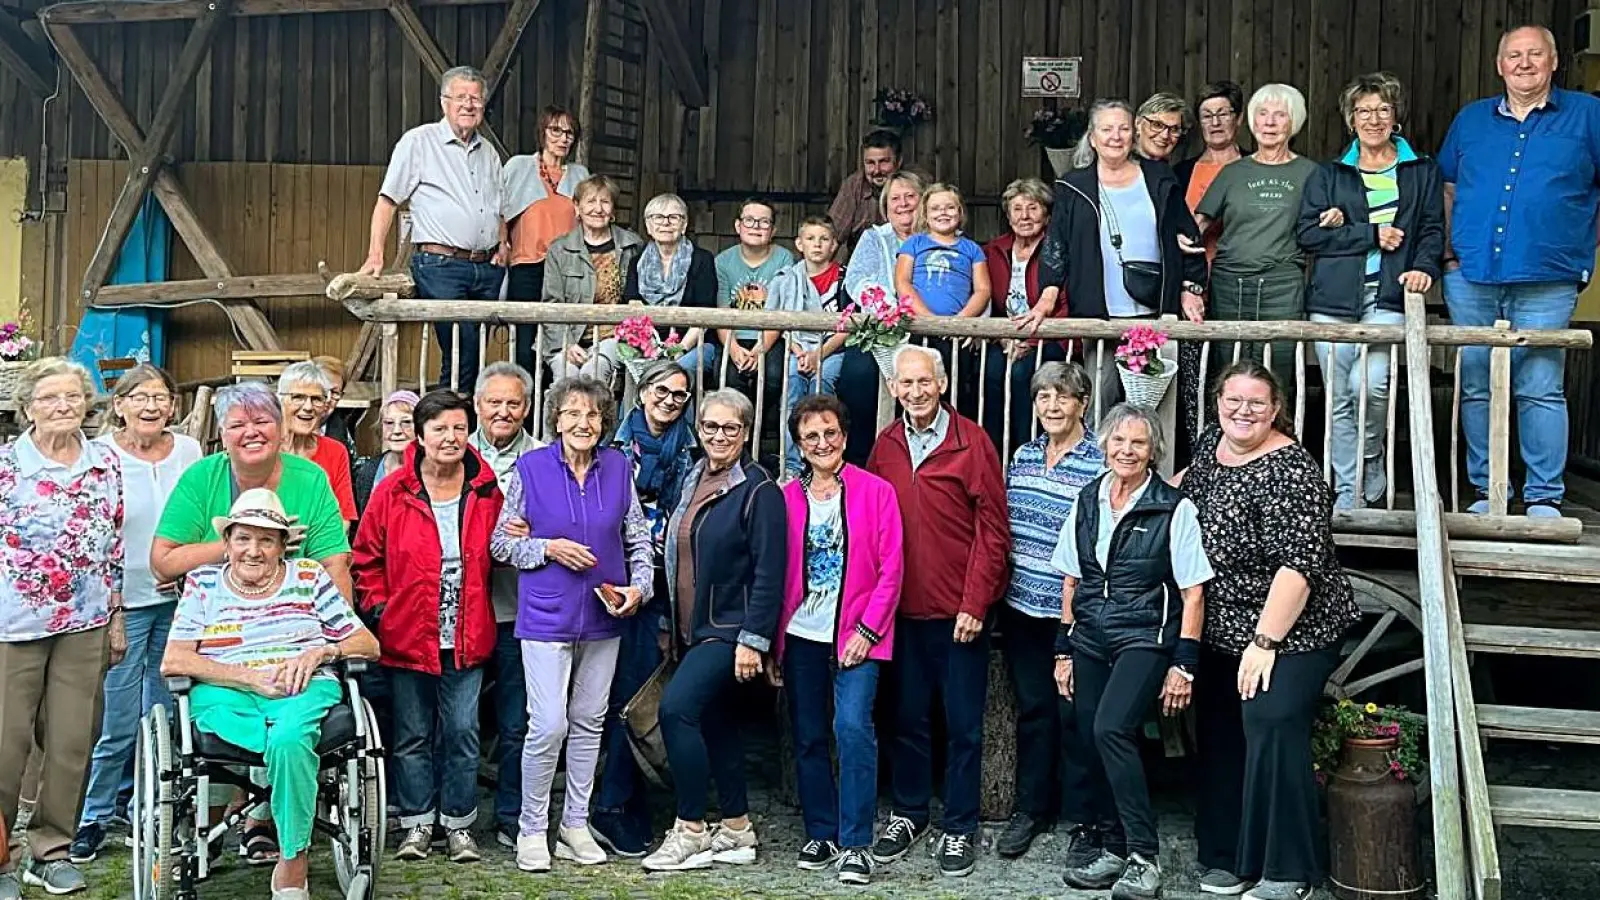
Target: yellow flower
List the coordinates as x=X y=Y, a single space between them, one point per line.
x=1345 y=703
x=1316 y=767
x=1372 y=708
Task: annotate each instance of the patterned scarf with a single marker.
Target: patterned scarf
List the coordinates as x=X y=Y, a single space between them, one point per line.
x=664 y=290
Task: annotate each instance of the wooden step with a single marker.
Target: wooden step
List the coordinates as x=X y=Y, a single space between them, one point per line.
x=1544 y=807
x=1519 y=641
x=1570 y=563
x=1527 y=723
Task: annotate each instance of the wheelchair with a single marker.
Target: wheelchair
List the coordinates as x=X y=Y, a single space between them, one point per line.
x=175 y=765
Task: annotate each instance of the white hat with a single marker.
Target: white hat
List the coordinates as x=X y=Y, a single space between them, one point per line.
x=259 y=507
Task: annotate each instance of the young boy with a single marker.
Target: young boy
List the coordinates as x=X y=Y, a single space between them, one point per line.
x=815 y=284
x=744 y=274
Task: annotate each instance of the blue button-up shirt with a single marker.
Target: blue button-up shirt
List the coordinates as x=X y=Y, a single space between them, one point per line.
x=1526 y=192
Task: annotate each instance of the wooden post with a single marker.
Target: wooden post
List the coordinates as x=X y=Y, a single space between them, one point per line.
x=1499 y=425
x=1167 y=409
x=389 y=360
x=588 y=75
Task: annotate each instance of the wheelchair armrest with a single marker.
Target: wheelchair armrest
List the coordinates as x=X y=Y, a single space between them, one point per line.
x=354 y=666
x=179 y=684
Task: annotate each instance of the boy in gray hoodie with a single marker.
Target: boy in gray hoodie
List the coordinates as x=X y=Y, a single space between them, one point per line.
x=814 y=284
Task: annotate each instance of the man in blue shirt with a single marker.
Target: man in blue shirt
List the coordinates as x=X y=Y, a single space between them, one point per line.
x=1521 y=195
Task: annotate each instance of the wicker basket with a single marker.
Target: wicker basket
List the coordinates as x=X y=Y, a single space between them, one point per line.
x=885 y=358
x=1145 y=390
x=10 y=373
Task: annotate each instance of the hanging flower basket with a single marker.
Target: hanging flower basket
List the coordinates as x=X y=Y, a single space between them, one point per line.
x=877 y=325
x=639 y=345
x=10 y=373
x=884 y=356
x=1145 y=374
x=1144 y=390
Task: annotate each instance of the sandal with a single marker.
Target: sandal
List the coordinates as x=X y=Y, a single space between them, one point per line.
x=258 y=845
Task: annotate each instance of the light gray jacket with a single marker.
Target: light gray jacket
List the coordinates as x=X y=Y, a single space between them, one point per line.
x=569 y=278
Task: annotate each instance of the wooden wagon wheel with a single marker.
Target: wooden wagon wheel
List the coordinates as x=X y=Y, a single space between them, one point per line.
x=1382 y=606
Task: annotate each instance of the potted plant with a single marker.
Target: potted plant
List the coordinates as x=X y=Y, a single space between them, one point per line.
x=1144 y=372
x=900 y=110
x=1058 y=131
x=1369 y=758
x=639 y=344
x=16 y=351
x=877 y=325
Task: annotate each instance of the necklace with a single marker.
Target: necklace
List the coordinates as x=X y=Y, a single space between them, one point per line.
x=238 y=587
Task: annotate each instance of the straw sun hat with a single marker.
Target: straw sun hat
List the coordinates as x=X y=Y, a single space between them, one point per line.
x=259 y=507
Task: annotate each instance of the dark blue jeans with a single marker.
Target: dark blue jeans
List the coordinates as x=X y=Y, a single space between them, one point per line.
x=622 y=788
x=443 y=706
x=444 y=278
x=511 y=725
x=824 y=700
x=702 y=732
x=930 y=663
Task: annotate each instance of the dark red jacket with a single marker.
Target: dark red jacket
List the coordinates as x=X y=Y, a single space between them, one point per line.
x=397 y=564
x=957 y=530
x=997 y=253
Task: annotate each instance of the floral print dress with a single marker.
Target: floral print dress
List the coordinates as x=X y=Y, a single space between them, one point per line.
x=60 y=540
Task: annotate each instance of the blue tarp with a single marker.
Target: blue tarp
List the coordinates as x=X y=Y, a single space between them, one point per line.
x=132 y=332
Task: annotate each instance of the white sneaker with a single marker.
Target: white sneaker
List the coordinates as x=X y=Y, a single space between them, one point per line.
x=578 y=845
x=533 y=853
x=682 y=850
x=734 y=847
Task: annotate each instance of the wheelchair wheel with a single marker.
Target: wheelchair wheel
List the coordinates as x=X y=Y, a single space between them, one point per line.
x=357 y=869
x=152 y=808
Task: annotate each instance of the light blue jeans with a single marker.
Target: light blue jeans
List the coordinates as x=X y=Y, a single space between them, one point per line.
x=801 y=387
x=1342 y=376
x=131 y=688
x=701 y=363
x=1536 y=379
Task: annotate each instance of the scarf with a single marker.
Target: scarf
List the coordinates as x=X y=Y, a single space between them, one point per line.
x=659 y=459
x=664 y=290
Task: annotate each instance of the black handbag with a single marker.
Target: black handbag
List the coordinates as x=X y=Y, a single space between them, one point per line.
x=1140 y=278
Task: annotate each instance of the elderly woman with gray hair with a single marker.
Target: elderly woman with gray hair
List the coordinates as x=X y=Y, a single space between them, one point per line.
x=306 y=392
x=727 y=561
x=1018 y=294
x=672 y=271
x=573 y=525
x=1129 y=546
x=61 y=614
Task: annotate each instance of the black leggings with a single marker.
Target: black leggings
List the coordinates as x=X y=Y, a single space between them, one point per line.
x=1113 y=697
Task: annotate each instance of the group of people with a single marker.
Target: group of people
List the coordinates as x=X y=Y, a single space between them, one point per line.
x=467 y=550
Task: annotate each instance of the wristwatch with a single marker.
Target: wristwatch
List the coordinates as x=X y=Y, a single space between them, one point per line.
x=1265 y=642
x=1194 y=288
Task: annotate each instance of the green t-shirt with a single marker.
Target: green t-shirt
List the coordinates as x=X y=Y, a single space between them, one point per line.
x=205 y=490
x=742 y=286
x=1259 y=206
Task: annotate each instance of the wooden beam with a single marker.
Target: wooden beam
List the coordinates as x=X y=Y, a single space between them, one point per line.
x=167 y=189
x=231 y=288
x=685 y=57
x=505 y=45
x=146 y=162
x=433 y=59
x=101 y=11
x=1563 y=530
x=588 y=74
x=22 y=54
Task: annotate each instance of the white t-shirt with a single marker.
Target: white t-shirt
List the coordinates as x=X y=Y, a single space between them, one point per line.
x=1135 y=217
x=1185 y=552
x=447 y=515
x=817 y=617
x=145 y=488
x=1017 y=293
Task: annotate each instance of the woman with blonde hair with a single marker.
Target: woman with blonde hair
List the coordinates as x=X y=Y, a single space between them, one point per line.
x=1161 y=122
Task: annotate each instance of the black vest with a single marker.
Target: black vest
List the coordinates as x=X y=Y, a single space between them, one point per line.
x=1133 y=602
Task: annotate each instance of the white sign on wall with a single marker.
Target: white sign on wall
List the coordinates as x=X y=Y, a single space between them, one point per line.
x=1051 y=76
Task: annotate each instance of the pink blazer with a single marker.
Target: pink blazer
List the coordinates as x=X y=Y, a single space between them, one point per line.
x=873 y=566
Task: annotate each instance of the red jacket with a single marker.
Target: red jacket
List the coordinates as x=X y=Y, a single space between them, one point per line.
x=997 y=253
x=957 y=530
x=397 y=566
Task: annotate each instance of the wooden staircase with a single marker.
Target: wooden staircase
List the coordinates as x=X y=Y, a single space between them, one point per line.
x=616 y=119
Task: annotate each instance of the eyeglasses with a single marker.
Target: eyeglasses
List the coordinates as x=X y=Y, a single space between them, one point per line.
x=336 y=395
x=398 y=425
x=1160 y=127
x=50 y=401
x=825 y=438
x=1217 y=118
x=144 y=399
x=591 y=416
x=666 y=218
x=303 y=399
x=468 y=100
x=726 y=429
x=1374 y=113
x=1053 y=398
x=663 y=393
x=1233 y=404
x=560 y=131
x=756 y=224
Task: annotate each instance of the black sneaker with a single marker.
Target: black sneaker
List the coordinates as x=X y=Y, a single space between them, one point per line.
x=958 y=855
x=855 y=867
x=817 y=855
x=1083 y=845
x=1019 y=835
x=899 y=836
x=86 y=843
x=612 y=831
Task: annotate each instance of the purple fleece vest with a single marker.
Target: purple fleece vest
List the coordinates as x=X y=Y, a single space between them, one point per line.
x=555 y=603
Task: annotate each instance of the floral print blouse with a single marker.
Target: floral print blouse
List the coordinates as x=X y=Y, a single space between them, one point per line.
x=60 y=540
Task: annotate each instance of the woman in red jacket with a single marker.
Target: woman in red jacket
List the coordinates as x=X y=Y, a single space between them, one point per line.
x=1013 y=260
x=422 y=563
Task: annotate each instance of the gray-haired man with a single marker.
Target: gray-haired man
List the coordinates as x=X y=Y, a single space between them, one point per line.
x=451 y=177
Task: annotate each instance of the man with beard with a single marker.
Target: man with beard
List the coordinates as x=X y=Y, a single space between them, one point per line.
x=856 y=208
x=502 y=396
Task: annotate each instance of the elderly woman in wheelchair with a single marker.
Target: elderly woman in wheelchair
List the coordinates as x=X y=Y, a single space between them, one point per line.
x=257 y=638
